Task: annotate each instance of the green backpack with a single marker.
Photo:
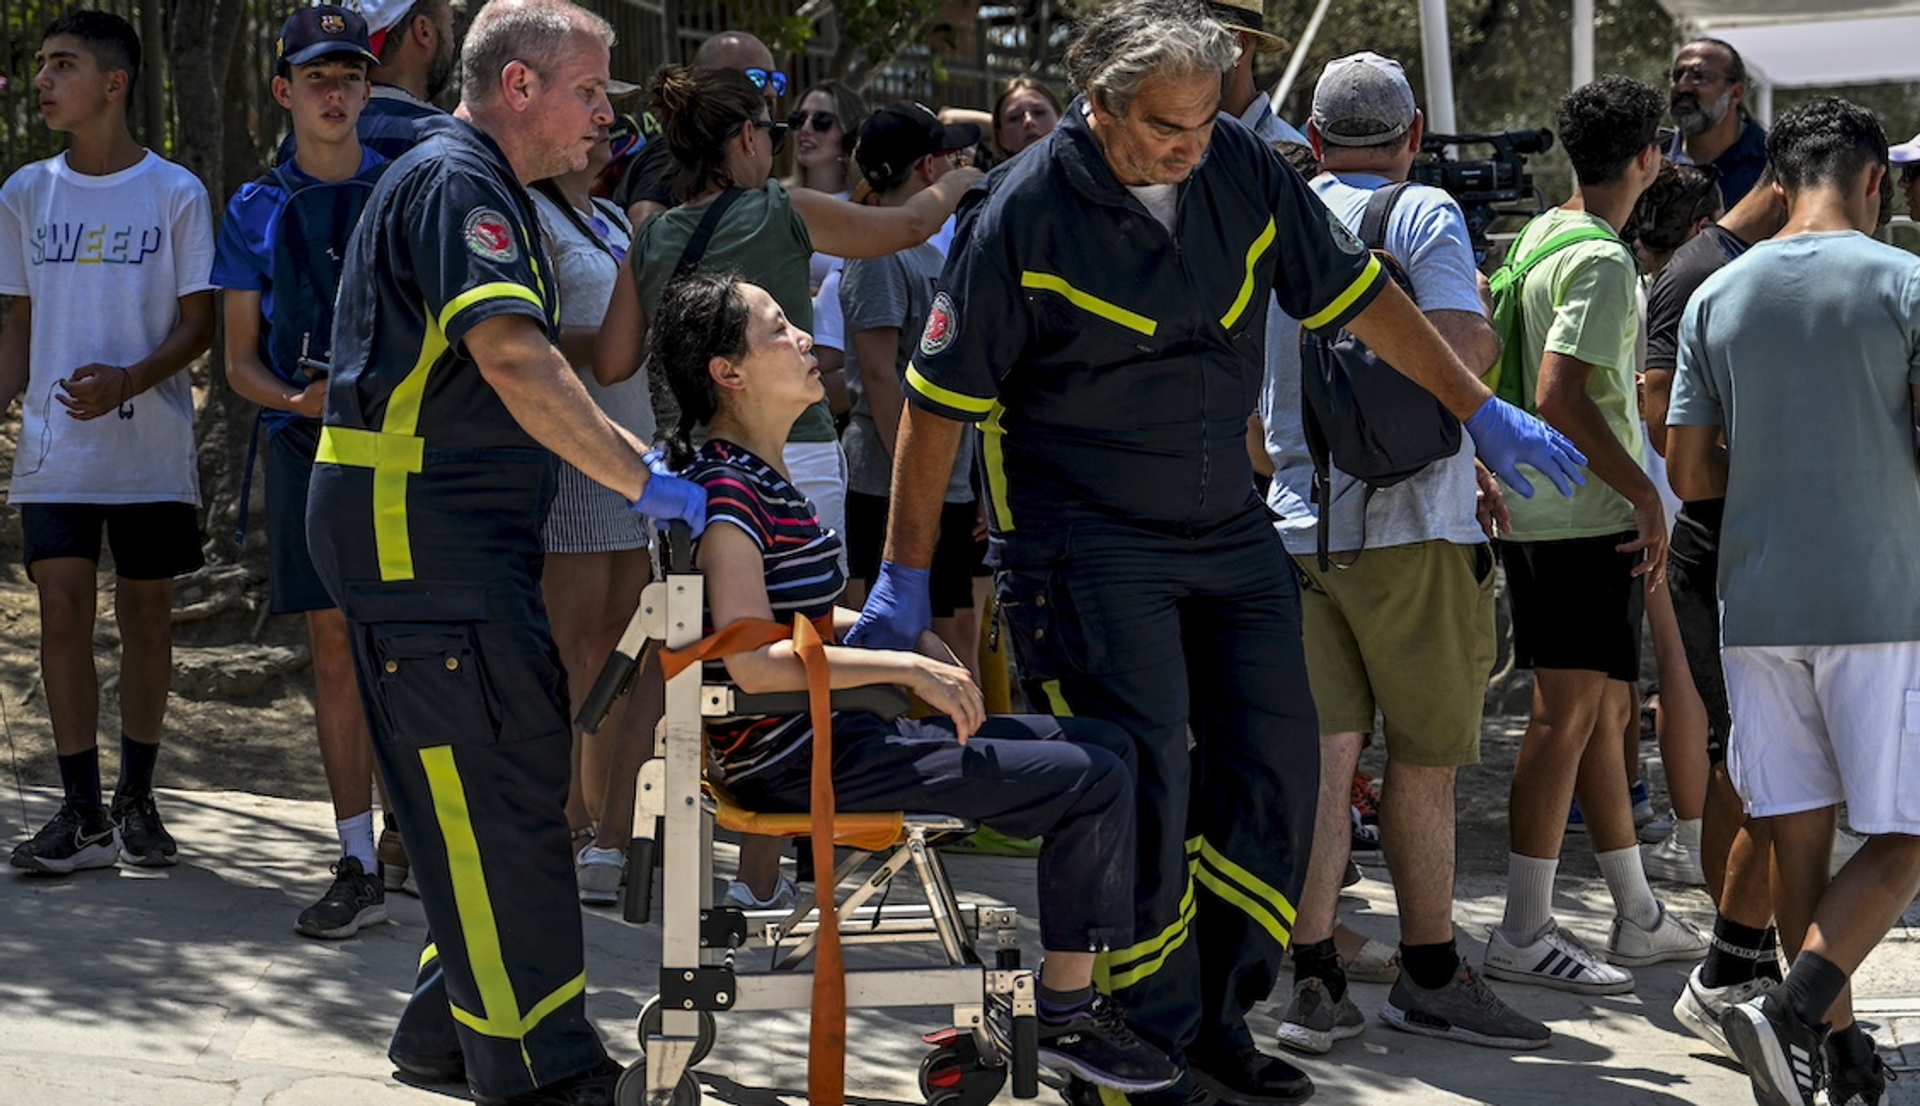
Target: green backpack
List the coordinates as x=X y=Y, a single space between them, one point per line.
x=1508 y=373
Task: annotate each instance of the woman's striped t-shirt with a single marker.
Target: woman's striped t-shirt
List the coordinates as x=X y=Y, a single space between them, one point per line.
x=802 y=563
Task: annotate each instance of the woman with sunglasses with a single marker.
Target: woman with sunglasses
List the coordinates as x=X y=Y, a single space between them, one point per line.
x=717 y=125
x=824 y=125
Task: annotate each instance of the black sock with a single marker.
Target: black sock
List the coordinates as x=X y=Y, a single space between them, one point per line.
x=1055 y=1007
x=80 y=776
x=1850 y=1048
x=136 y=766
x=1770 y=956
x=1735 y=955
x=1812 y=986
x=1431 y=967
x=1320 y=961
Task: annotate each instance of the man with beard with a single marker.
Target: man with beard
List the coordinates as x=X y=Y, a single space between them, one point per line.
x=1707 y=94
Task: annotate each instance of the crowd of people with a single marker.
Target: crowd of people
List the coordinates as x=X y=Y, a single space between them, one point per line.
x=1031 y=373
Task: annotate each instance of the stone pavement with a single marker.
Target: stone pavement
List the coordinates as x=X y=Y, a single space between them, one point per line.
x=188 y=987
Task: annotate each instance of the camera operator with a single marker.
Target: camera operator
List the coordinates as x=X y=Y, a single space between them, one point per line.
x=1707 y=96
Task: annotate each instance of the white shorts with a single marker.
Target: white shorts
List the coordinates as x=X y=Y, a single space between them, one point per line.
x=819 y=470
x=1815 y=725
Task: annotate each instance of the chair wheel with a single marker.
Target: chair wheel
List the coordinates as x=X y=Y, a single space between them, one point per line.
x=631 y=1089
x=649 y=1026
x=957 y=1075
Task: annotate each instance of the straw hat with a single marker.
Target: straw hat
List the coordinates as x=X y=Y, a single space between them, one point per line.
x=1249 y=16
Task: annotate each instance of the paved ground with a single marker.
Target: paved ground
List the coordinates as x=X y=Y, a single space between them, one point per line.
x=188 y=987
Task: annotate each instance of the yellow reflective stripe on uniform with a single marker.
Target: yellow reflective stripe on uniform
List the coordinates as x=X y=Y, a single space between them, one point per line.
x=1086 y=301
x=428 y=955
x=1254 y=253
x=1243 y=889
x=499 y=289
x=994 y=459
x=945 y=396
x=370 y=449
x=1361 y=284
x=478 y=929
x=1122 y=968
x=1056 y=702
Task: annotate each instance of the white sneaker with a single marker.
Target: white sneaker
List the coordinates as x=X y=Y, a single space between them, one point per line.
x=1700 y=1007
x=1676 y=859
x=1659 y=829
x=1554 y=959
x=784 y=897
x=599 y=872
x=1671 y=938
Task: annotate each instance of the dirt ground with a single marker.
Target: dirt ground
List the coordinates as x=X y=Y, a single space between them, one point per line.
x=241 y=714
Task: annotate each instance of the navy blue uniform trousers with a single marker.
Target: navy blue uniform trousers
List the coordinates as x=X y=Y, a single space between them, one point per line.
x=1191 y=644
x=1067 y=781
x=467 y=704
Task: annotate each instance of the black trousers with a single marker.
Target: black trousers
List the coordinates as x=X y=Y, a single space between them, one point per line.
x=1067 y=781
x=1191 y=644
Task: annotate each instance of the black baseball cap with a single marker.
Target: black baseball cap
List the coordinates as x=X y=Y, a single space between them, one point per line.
x=898 y=135
x=310 y=34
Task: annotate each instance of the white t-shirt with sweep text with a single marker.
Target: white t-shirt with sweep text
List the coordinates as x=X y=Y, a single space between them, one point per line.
x=104 y=261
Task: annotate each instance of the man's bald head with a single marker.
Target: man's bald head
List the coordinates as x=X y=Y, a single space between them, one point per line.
x=733 y=50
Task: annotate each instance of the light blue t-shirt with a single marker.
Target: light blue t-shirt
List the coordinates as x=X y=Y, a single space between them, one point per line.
x=1428 y=236
x=1804 y=351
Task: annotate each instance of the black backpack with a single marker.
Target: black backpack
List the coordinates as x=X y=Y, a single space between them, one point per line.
x=309 y=244
x=1360 y=413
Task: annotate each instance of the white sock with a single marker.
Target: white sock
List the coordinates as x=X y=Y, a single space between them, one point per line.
x=356 y=839
x=1529 y=897
x=1627 y=883
x=1686 y=831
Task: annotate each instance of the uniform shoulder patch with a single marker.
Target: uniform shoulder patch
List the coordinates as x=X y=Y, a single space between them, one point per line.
x=941 y=321
x=1344 y=238
x=489 y=235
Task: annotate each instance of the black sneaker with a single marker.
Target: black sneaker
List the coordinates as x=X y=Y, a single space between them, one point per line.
x=143 y=840
x=1856 y=1075
x=76 y=837
x=1248 y=1077
x=1184 y=1092
x=356 y=900
x=1783 y=1055
x=1096 y=1045
x=594 y=1087
x=1466 y=1009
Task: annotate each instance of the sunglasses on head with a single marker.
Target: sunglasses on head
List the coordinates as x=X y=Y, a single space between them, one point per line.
x=761 y=78
x=822 y=121
x=776 y=132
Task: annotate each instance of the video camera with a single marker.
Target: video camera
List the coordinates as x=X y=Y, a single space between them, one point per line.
x=1479 y=185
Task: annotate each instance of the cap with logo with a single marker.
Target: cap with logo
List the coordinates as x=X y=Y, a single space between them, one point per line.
x=322 y=31
x=898 y=135
x=1249 y=16
x=1362 y=100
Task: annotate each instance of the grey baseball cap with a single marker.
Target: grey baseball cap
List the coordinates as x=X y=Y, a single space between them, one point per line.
x=1362 y=100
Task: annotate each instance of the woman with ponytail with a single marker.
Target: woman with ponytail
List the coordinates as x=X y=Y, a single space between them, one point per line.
x=737 y=363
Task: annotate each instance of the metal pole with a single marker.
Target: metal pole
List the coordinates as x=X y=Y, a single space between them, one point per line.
x=1436 y=57
x=1582 y=42
x=1299 y=58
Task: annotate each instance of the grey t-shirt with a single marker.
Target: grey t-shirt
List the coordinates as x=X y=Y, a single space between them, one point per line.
x=893 y=291
x=1804 y=351
x=1428 y=236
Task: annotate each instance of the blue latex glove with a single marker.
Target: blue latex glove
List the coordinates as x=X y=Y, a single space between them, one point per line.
x=1505 y=437
x=898 y=608
x=668 y=497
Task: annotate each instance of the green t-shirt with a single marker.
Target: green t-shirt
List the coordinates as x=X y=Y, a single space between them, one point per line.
x=1581 y=302
x=760 y=237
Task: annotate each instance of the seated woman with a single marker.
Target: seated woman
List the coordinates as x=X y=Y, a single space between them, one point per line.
x=738 y=366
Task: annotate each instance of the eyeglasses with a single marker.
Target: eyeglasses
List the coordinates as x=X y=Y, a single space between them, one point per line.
x=776 y=132
x=822 y=121
x=1663 y=137
x=761 y=78
x=1695 y=76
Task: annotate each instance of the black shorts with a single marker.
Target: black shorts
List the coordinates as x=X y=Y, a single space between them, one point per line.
x=1693 y=564
x=149 y=541
x=955 y=555
x=293 y=586
x=1576 y=604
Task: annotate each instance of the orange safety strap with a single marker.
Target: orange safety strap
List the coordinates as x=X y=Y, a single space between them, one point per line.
x=827 y=1031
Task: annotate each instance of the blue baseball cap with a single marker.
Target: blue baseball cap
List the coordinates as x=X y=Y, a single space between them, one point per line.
x=324 y=30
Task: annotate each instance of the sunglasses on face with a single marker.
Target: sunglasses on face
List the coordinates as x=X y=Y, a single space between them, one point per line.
x=776 y=132
x=822 y=121
x=1664 y=137
x=761 y=78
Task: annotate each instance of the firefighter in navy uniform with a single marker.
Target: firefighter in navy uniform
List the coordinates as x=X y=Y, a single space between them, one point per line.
x=431 y=484
x=1102 y=319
